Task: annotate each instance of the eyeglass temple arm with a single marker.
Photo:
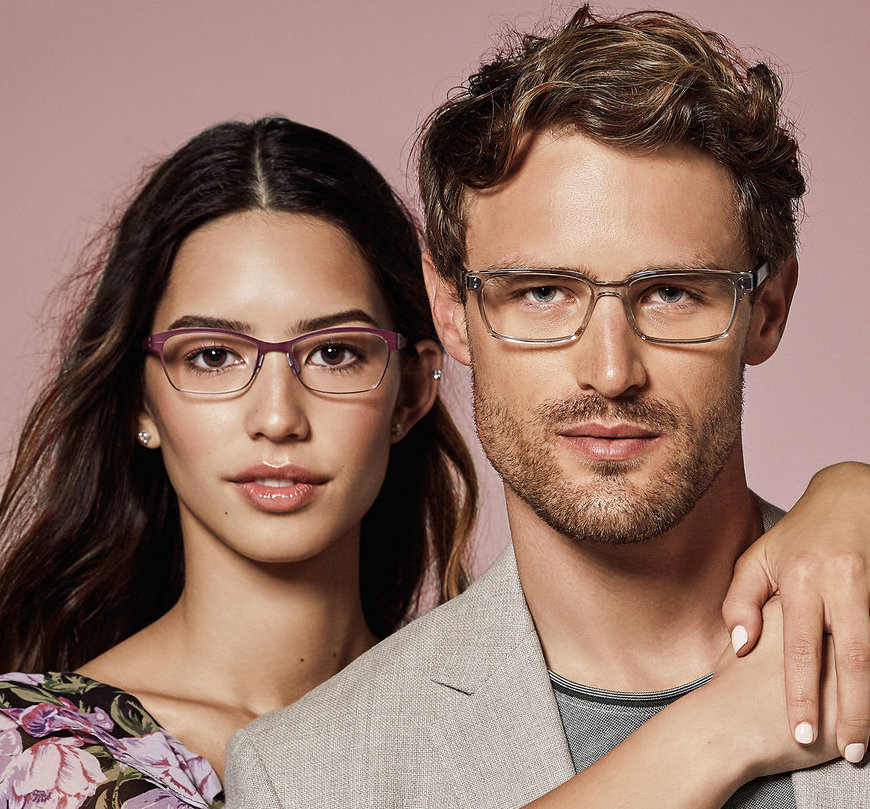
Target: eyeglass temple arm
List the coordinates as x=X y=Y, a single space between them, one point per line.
x=755 y=277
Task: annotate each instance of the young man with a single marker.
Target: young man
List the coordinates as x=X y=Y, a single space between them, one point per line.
x=611 y=219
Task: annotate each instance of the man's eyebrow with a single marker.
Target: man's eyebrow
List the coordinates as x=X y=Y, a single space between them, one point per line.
x=698 y=262
x=520 y=264
x=694 y=263
x=535 y=267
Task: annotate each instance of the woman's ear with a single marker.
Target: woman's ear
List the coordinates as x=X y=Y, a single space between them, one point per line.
x=770 y=312
x=448 y=312
x=419 y=388
x=148 y=435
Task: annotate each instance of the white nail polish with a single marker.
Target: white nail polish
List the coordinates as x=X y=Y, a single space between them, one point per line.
x=854 y=753
x=803 y=733
x=738 y=637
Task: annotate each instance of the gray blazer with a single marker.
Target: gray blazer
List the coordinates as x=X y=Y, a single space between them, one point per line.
x=455 y=710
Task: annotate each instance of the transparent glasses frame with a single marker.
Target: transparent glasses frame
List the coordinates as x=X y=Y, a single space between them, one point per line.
x=743 y=282
x=154 y=344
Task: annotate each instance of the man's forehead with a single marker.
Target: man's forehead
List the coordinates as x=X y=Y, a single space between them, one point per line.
x=571 y=198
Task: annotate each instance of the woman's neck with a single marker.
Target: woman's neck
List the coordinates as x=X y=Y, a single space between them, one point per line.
x=244 y=638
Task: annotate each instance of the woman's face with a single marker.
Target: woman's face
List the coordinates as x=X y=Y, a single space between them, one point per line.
x=276 y=472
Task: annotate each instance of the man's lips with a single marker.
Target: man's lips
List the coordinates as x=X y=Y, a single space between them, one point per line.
x=610 y=442
x=609 y=431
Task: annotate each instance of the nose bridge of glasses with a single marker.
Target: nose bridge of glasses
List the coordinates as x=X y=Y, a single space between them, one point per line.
x=284 y=347
x=609 y=289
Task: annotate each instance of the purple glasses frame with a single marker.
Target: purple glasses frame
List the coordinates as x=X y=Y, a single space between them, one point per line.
x=153 y=343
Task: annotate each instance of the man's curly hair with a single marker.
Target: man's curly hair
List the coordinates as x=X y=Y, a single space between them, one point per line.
x=639 y=82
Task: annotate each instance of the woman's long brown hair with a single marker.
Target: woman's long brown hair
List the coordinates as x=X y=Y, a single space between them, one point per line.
x=90 y=542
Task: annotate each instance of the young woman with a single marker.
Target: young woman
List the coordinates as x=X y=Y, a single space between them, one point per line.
x=194 y=519
x=239 y=479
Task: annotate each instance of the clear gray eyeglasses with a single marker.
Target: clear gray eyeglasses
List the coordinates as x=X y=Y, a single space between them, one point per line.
x=662 y=306
x=215 y=361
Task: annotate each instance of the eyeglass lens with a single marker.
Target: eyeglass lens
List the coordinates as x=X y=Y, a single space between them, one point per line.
x=209 y=362
x=677 y=306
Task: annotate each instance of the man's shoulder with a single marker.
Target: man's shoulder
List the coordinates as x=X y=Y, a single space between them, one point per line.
x=836 y=783
x=770 y=514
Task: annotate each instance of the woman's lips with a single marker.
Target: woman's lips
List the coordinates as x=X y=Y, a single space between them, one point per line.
x=616 y=442
x=278 y=499
x=278 y=490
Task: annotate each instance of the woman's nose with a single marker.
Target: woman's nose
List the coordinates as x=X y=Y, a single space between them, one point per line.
x=277 y=401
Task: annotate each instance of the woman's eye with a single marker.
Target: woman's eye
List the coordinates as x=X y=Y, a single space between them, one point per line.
x=213 y=358
x=332 y=355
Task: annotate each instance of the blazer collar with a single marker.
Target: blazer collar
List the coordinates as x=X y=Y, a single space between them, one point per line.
x=491 y=621
x=499 y=734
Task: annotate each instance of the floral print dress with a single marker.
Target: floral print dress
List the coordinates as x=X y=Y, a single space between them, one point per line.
x=67 y=742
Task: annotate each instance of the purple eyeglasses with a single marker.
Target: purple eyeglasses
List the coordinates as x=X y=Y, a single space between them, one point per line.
x=214 y=361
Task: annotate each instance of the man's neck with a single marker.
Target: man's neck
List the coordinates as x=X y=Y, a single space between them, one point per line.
x=642 y=616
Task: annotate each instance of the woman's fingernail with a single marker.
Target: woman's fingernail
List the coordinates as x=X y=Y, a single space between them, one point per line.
x=738 y=637
x=854 y=753
x=803 y=733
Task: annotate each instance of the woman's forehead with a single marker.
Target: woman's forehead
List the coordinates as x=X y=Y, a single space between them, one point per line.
x=270 y=269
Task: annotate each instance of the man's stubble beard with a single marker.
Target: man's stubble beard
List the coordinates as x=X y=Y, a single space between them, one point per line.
x=609 y=507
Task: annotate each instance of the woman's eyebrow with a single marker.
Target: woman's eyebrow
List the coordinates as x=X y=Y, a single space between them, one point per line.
x=205 y=322
x=335 y=319
x=299 y=327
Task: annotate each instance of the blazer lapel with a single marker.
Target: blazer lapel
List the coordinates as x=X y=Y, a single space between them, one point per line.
x=500 y=736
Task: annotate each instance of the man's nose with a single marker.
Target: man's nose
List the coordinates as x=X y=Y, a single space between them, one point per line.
x=611 y=353
x=277 y=402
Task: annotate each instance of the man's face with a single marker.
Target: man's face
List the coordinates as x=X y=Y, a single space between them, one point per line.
x=607 y=438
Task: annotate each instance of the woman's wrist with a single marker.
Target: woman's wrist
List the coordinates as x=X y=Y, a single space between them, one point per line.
x=691 y=755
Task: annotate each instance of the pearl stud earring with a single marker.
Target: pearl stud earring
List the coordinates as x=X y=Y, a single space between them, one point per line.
x=144 y=437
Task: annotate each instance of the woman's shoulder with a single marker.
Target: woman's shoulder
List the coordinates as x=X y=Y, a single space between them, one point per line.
x=65 y=735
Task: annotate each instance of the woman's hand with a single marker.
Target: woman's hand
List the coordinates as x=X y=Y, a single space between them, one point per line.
x=701 y=749
x=818 y=559
x=748 y=691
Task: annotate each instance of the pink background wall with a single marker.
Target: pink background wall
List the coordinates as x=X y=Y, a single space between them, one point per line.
x=93 y=91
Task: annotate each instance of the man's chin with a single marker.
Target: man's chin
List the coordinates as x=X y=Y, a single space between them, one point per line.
x=598 y=514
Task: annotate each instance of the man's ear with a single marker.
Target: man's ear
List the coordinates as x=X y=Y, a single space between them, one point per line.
x=448 y=312
x=419 y=387
x=770 y=312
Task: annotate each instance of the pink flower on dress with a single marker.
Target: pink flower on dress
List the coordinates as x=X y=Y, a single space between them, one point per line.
x=43 y=718
x=168 y=762
x=10 y=747
x=53 y=774
x=203 y=775
x=155 y=799
x=23 y=678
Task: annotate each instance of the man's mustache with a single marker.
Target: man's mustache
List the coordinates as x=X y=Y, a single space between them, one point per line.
x=648 y=412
